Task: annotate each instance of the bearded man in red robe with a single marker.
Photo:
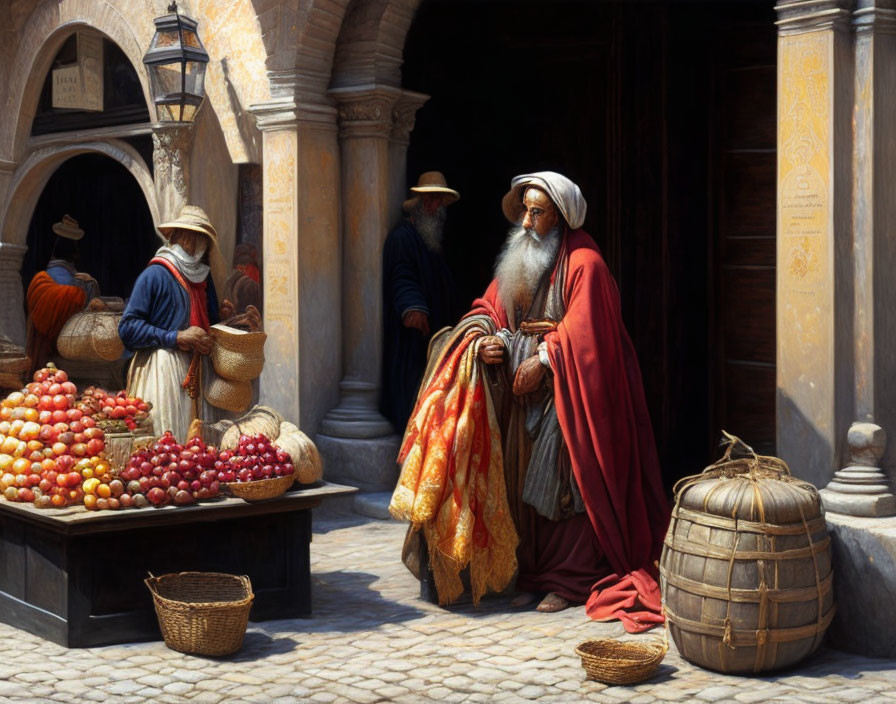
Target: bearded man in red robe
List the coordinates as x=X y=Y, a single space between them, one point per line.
x=530 y=449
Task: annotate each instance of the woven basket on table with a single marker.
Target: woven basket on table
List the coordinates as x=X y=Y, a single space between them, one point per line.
x=236 y=354
x=261 y=488
x=621 y=662
x=205 y=613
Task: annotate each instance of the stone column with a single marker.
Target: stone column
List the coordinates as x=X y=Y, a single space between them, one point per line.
x=862 y=488
x=12 y=318
x=172 y=143
x=404 y=113
x=365 y=116
x=301 y=267
x=815 y=267
x=356 y=441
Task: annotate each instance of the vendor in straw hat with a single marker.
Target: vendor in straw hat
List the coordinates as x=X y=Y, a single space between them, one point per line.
x=56 y=294
x=167 y=321
x=419 y=295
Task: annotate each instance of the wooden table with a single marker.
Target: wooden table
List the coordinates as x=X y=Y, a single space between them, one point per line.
x=76 y=577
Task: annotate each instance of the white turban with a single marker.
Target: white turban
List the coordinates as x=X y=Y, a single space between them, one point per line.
x=563 y=192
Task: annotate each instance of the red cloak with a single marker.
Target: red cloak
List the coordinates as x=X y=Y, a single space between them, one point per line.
x=602 y=412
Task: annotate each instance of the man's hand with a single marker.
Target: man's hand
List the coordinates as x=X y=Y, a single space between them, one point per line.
x=528 y=376
x=417 y=319
x=491 y=350
x=194 y=339
x=225 y=310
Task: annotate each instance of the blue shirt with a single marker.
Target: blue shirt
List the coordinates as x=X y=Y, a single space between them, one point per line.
x=158 y=308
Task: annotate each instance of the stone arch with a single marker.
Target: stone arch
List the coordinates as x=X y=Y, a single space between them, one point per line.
x=41 y=38
x=370 y=46
x=30 y=178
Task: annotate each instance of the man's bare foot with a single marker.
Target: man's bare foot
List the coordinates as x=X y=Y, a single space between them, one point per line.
x=552 y=603
x=523 y=599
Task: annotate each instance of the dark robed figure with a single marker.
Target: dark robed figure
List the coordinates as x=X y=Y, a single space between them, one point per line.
x=530 y=447
x=419 y=295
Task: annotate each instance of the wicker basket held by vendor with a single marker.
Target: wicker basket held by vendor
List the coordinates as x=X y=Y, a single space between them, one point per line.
x=167 y=322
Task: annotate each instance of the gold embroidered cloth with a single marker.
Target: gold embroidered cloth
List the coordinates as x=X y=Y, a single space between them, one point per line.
x=452 y=480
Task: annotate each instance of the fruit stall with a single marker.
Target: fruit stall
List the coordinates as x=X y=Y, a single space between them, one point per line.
x=92 y=501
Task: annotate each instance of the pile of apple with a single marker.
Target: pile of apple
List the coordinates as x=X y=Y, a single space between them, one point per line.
x=42 y=437
x=168 y=472
x=254 y=458
x=105 y=406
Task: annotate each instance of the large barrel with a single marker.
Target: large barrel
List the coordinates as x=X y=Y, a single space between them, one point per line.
x=746 y=567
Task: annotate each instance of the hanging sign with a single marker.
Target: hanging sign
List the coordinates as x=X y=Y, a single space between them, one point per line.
x=79 y=86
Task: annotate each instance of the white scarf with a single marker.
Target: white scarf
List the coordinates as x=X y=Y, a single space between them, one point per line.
x=191 y=268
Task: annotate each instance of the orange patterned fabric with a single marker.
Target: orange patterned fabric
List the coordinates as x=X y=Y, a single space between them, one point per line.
x=452 y=479
x=50 y=305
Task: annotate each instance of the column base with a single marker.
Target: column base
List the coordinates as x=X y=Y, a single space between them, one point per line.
x=367 y=463
x=864 y=582
x=860 y=505
x=356 y=415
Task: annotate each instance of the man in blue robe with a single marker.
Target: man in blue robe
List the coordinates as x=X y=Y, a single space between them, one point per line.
x=419 y=295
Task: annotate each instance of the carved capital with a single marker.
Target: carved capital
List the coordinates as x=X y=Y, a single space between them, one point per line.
x=875 y=19
x=404 y=115
x=800 y=16
x=296 y=97
x=365 y=111
x=171 y=146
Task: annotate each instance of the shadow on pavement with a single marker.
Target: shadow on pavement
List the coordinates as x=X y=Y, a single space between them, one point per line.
x=257 y=645
x=343 y=601
x=325 y=520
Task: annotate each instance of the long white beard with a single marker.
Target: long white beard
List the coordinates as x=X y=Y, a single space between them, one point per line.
x=430 y=227
x=523 y=262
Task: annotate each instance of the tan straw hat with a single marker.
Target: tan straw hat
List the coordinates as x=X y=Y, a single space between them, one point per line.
x=191 y=217
x=68 y=228
x=431 y=182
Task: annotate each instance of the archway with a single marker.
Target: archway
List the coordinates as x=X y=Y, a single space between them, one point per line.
x=109 y=205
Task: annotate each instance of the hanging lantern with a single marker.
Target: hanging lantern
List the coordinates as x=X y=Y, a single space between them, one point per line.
x=176 y=61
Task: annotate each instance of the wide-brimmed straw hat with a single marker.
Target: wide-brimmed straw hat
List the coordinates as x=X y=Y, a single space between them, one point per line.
x=431 y=182
x=68 y=228
x=191 y=217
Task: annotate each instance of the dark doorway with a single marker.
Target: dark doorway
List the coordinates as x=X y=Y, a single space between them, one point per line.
x=644 y=105
x=119 y=237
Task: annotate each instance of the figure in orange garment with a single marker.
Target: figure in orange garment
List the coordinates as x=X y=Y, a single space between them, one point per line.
x=56 y=294
x=539 y=384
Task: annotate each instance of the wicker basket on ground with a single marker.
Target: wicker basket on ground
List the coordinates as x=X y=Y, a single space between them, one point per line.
x=237 y=354
x=746 y=566
x=205 y=613
x=614 y=661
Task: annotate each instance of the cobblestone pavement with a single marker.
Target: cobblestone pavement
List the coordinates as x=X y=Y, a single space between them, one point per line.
x=372 y=640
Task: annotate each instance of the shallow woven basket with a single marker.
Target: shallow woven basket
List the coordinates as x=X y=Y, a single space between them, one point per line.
x=205 y=613
x=236 y=354
x=261 y=488
x=620 y=662
x=228 y=394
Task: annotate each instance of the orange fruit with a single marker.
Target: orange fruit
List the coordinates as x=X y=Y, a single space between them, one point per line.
x=21 y=466
x=90 y=502
x=58 y=500
x=103 y=491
